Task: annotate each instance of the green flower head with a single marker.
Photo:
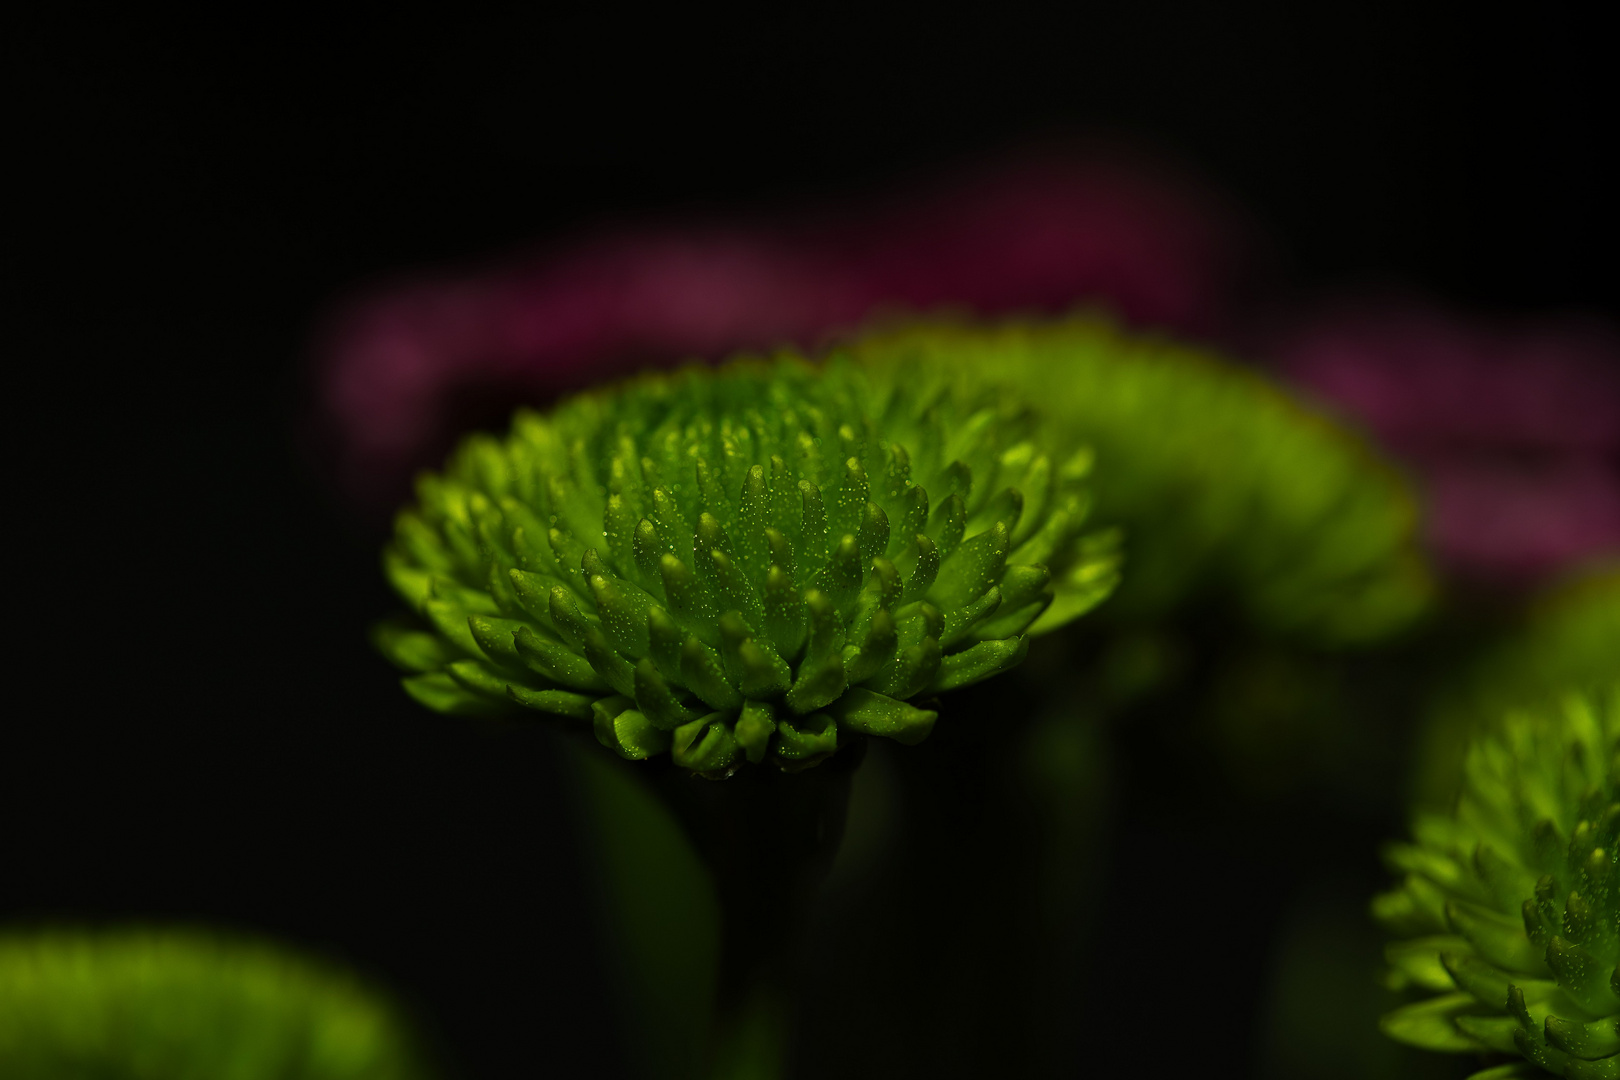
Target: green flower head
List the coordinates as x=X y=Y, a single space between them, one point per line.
x=743 y=563
x=186 y=1005
x=1227 y=489
x=1511 y=905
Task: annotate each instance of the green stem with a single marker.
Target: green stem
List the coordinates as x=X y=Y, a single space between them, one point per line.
x=707 y=887
x=751 y=1041
x=769 y=839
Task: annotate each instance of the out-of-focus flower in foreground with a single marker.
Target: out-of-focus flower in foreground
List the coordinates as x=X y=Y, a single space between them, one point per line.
x=1513 y=433
x=171 y=1004
x=1039 y=233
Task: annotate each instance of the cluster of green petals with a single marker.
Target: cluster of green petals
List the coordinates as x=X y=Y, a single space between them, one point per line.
x=187 y=1005
x=740 y=564
x=1510 y=907
x=1226 y=486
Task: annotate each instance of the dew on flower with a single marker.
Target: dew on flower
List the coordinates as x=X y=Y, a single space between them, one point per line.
x=783 y=606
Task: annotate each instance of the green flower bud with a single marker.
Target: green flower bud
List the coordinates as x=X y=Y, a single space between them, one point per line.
x=745 y=564
x=1510 y=907
x=139 y=1005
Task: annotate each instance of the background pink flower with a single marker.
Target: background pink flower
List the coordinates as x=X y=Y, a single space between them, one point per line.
x=1513 y=431
x=402 y=370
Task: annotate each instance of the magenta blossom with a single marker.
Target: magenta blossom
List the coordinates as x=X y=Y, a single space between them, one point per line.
x=1512 y=431
x=398 y=368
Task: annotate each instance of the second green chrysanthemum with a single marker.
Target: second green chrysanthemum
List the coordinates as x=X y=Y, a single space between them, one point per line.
x=1226 y=487
x=1511 y=906
x=741 y=564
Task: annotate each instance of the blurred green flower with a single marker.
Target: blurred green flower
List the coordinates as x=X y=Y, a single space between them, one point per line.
x=1227 y=488
x=1570 y=637
x=187 y=1005
x=744 y=563
x=1510 y=908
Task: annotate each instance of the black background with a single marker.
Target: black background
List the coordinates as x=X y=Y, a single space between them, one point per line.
x=196 y=727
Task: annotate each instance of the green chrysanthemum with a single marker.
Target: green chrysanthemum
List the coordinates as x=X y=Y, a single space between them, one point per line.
x=185 y=1005
x=1222 y=482
x=1513 y=902
x=743 y=563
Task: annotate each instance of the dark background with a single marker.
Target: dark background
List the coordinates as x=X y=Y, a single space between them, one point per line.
x=196 y=727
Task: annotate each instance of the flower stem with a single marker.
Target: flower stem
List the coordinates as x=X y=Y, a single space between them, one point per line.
x=707 y=889
x=768 y=838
